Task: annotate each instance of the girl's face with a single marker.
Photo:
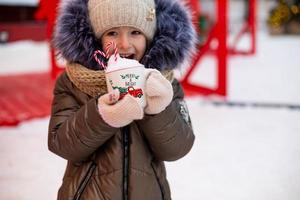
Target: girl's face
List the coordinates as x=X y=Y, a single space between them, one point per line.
x=131 y=42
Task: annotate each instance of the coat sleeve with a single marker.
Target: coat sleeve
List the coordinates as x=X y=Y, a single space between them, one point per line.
x=75 y=131
x=169 y=133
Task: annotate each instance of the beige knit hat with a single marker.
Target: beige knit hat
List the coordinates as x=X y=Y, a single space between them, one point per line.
x=107 y=14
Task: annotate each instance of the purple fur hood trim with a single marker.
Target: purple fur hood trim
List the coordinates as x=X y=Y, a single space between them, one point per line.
x=173 y=42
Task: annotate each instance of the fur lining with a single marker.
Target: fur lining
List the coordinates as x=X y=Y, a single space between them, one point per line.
x=173 y=42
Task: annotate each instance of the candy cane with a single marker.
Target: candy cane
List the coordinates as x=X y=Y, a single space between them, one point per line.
x=115 y=50
x=102 y=65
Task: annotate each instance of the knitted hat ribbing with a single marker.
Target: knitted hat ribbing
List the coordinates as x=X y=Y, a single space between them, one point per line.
x=107 y=14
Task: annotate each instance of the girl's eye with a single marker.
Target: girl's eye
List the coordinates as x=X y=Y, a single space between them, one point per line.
x=136 y=32
x=111 y=33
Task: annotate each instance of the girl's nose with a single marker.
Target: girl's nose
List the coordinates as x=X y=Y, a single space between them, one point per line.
x=124 y=42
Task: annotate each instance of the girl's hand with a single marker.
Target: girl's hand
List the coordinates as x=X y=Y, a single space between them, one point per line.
x=159 y=92
x=119 y=113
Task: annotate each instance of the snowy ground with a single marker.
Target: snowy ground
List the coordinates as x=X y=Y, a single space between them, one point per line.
x=240 y=153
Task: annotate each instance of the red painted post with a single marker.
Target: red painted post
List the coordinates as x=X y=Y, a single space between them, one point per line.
x=219 y=33
x=252 y=24
x=222 y=49
x=48 y=10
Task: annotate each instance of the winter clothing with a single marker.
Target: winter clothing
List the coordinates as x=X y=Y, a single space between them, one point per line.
x=79 y=134
x=159 y=92
x=105 y=162
x=107 y=14
x=119 y=113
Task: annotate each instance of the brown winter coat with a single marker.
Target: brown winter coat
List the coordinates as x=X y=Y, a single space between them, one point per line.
x=106 y=163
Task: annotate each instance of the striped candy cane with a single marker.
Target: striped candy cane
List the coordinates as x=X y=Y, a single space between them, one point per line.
x=101 y=63
x=115 y=50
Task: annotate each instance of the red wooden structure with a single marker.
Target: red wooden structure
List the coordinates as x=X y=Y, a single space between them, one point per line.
x=219 y=35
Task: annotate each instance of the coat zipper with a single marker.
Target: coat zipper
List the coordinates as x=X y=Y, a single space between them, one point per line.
x=85 y=181
x=125 y=137
x=158 y=182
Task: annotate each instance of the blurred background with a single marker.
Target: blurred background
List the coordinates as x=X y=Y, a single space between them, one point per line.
x=242 y=89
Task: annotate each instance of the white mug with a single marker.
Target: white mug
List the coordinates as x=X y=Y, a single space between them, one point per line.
x=128 y=76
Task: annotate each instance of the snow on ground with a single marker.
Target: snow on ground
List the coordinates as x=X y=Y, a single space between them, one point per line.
x=272 y=75
x=28 y=171
x=240 y=153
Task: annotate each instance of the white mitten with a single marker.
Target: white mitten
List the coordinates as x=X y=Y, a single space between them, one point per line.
x=119 y=113
x=159 y=92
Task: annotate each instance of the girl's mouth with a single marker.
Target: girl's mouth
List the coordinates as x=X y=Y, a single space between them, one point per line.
x=128 y=56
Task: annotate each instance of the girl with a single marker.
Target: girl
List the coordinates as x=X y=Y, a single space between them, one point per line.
x=115 y=148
